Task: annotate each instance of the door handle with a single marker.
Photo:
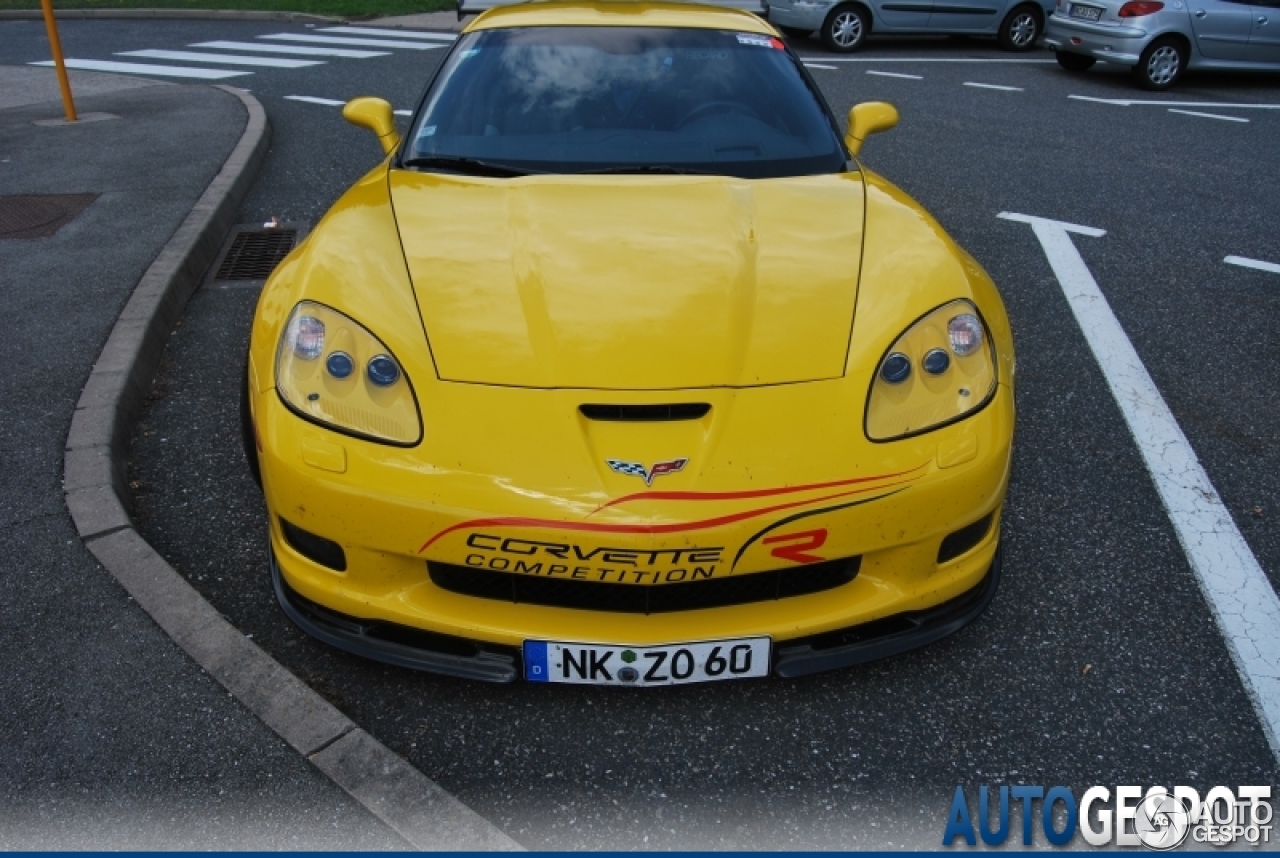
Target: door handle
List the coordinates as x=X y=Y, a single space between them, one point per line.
x=1200 y=13
x=1262 y=19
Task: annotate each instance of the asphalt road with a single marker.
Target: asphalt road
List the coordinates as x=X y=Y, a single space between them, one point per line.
x=113 y=737
x=1097 y=663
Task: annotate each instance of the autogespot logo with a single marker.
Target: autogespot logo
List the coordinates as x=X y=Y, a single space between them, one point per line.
x=1157 y=818
x=1162 y=821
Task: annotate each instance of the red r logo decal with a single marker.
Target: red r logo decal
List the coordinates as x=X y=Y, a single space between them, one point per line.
x=799 y=543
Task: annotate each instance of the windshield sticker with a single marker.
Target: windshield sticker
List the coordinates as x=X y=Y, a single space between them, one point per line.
x=759 y=41
x=428 y=131
x=468 y=54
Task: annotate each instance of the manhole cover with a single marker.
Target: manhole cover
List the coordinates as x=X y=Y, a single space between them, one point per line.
x=40 y=216
x=254 y=252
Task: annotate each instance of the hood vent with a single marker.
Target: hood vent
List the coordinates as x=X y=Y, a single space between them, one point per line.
x=645 y=413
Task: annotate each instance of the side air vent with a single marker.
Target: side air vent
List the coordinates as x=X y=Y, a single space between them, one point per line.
x=315 y=548
x=645 y=413
x=964 y=539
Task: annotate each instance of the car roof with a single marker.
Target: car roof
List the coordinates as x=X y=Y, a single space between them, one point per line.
x=617 y=13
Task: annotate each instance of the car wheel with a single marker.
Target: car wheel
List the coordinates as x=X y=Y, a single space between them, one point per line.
x=1074 y=62
x=247 y=436
x=1161 y=64
x=1020 y=28
x=794 y=32
x=845 y=29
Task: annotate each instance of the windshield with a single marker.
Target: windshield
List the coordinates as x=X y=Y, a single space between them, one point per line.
x=623 y=99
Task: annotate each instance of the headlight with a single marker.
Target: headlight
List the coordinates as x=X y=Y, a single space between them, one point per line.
x=332 y=371
x=941 y=369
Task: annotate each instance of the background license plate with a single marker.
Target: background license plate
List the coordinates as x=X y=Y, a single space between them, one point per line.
x=670 y=664
x=1089 y=13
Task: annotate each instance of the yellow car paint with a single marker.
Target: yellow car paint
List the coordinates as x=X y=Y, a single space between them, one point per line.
x=618 y=13
x=659 y=283
x=510 y=303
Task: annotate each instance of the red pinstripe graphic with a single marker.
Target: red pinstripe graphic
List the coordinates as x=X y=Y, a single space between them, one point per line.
x=678 y=527
x=753 y=493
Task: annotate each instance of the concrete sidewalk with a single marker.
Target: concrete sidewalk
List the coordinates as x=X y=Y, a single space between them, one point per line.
x=442 y=21
x=115 y=738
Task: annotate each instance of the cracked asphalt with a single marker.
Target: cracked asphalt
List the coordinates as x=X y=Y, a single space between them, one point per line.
x=1098 y=661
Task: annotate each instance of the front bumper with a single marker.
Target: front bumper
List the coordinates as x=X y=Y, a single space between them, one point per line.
x=412 y=648
x=1105 y=42
x=395 y=520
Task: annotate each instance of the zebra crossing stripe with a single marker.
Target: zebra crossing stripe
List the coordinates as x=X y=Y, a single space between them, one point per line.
x=349 y=40
x=296 y=50
x=146 y=69
x=311 y=99
x=229 y=59
x=399 y=34
x=330 y=102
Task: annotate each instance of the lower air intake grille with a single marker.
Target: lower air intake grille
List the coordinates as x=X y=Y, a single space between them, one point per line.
x=645 y=599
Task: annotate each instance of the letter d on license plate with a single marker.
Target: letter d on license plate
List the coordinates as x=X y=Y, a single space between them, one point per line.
x=668 y=664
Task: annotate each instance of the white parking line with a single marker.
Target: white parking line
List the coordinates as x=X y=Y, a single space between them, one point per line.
x=404 y=34
x=817 y=66
x=894 y=74
x=332 y=102
x=296 y=50
x=1208 y=115
x=1129 y=102
x=993 y=86
x=345 y=40
x=145 y=69
x=1242 y=600
x=994 y=61
x=1257 y=264
x=229 y=59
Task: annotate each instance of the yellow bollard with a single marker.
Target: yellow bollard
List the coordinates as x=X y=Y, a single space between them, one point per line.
x=52 y=26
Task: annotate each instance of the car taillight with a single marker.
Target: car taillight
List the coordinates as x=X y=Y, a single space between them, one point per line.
x=1138 y=8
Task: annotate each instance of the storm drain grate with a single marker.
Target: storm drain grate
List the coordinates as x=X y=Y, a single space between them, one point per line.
x=255 y=252
x=40 y=216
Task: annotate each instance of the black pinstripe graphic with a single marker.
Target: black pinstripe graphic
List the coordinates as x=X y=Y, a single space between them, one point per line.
x=801 y=515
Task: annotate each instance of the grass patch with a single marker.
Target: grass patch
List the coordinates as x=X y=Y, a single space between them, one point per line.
x=336 y=8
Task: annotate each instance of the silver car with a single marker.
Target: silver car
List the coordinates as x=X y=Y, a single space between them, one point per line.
x=845 y=24
x=1161 y=40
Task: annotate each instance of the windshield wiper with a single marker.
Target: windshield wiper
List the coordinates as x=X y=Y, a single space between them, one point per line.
x=639 y=169
x=468 y=166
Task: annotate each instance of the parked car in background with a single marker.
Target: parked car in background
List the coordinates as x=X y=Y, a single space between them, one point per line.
x=843 y=25
x=1161 y=40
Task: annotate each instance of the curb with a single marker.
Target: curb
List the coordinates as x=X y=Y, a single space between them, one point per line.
x=94 y=478
x=199 y=14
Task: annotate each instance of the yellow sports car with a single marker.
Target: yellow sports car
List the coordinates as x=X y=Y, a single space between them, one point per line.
x=621 y=369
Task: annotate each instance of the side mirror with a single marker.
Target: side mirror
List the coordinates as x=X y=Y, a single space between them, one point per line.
x=374 y=114
x=870 y=117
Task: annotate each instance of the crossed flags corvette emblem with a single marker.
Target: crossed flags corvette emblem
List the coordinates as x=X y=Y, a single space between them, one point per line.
x=635 y=469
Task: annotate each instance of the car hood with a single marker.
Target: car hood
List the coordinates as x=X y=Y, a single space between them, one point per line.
x=632 y=282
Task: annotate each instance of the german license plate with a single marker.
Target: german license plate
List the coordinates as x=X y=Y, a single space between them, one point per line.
x=1087 y=13
x=669 y=664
